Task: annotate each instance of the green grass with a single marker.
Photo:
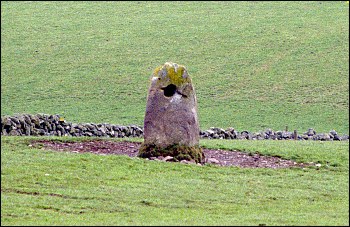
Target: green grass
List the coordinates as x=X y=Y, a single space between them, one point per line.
x=255 y=65
x=40 y=187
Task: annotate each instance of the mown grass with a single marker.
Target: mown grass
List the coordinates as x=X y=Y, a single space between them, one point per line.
x=40 y=187
x=255 y=65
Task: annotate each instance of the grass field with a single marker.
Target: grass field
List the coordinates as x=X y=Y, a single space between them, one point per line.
x=254 y=65
x=48 y=188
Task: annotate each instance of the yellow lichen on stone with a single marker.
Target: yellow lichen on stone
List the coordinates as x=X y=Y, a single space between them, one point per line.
x=171 y=125
x=172 y=73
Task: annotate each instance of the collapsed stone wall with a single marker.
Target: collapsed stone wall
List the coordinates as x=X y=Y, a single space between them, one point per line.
x=269 y=134
x=53 y=125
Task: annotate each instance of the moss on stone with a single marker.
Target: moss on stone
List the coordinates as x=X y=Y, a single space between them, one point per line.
x=178 y=152
x=175 y=74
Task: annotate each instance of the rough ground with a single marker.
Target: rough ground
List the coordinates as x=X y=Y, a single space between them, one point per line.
x=215 y=157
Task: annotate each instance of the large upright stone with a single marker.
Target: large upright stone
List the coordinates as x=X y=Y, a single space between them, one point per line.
x=171 y=124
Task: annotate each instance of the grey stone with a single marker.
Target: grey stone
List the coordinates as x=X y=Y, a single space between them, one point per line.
x=333 y=133
x=171 y=111
x=27 y=119
x=245 y=135
x=27 y=131
x=14 y=133
x=311 y=132
x=187 y=162
x=168 y=158
x=15 y=120
x=287 y=135
x=213 y=160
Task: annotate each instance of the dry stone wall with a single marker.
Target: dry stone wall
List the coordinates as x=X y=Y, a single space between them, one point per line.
x=51 y=125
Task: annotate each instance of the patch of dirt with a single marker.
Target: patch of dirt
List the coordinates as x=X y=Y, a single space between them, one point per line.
x=212 y=156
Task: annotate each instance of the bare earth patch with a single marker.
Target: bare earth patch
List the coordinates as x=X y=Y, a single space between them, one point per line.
x=212 y=156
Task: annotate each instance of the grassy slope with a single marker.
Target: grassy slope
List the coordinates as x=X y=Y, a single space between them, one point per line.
x=254 y=64
x=43 y=188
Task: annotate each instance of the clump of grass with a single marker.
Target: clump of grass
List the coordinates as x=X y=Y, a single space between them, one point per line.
x=177 y=151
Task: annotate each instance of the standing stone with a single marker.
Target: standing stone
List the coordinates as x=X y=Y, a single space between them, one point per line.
x=171 y=125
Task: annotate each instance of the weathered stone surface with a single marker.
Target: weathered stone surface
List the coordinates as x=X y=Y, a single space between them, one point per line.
x=171 y=111
x=213 y=160
x=168 y=158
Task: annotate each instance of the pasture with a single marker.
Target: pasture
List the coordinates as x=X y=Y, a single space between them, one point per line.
x=40 y=187
x=254 y=65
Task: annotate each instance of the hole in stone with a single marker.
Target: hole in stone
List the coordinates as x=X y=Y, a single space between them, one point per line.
x=169 y=90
